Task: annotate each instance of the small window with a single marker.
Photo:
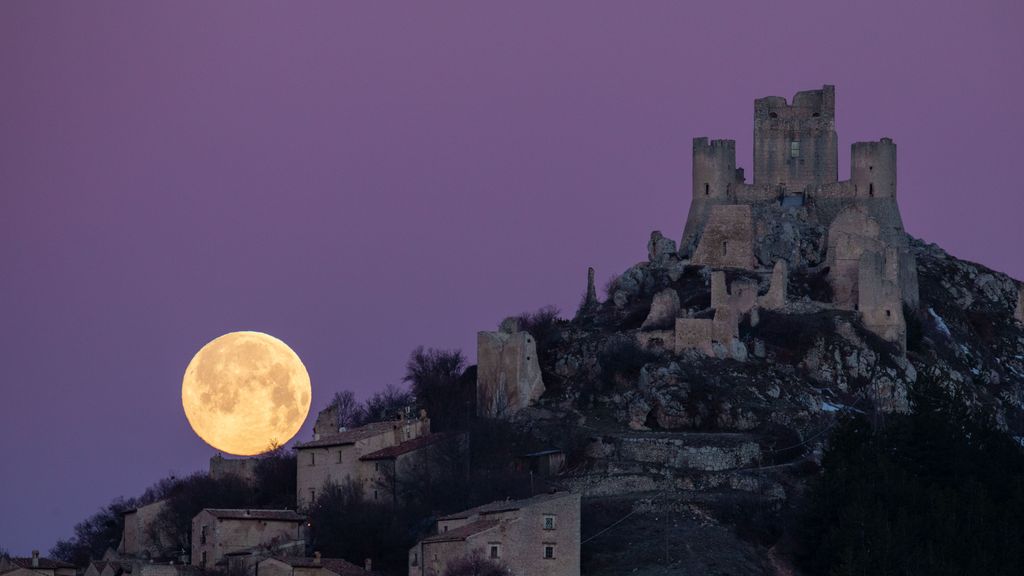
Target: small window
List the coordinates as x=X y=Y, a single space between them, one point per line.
x=376 y=466
x=888 y=313
x=549 y=522
x=707 y=189
x=549 y=552
x=871 y=189
x=725 y=248
x=445 y=528
x=339 y=456
x=494 y=551
x=773 y=115
x=815 y=115
x=415 y=559
x=794 y=149
x=312 y=458
x=312 y=494
x=871 y=168
x=374 y=494
x=202 y=535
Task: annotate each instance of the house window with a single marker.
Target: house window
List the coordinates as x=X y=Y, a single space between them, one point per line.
x=707 y=189
x=549 y=521
x=312 y=458
x=794 y=149
x=204 y=558
x=725 y=248
x=871 y=189
x=549 y=551
x=376 y=466
x=202 y=535
x=339 y=456
x=493 y=551
x=312 y=494
x=415 y=559
x=374 y=494
x=888 y=313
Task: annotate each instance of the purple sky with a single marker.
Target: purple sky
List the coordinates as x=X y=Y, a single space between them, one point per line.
x=360 y=178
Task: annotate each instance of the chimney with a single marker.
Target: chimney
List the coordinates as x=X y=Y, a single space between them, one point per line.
x=316 y=558
x=35 y=558
x=368 y=565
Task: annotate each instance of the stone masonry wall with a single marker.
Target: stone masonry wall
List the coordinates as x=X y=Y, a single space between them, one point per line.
x=508 y=373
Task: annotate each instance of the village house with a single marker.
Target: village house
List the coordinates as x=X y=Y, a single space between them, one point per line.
x=369 y=456
x=218 y=532
x=539 y=536
x=315 y=566
x=34 y=566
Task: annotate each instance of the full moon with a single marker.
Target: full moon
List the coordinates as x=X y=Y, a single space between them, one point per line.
x=246 y=392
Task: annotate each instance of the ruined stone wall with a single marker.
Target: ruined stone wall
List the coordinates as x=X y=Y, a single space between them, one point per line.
x=739 y=297
x=728 y=238
x=508 y=373
x=244 y=468
x=879 y=300
x=851 y=234
x=1019 y=313
x=135 y=537
x=776 y=296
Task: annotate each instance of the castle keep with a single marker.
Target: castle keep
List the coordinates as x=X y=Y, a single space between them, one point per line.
x=797 y=215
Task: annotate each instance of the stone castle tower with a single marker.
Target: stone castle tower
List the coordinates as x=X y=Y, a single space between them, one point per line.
x=797 y=211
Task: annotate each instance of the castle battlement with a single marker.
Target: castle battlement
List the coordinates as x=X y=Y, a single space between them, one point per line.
x=797 y=202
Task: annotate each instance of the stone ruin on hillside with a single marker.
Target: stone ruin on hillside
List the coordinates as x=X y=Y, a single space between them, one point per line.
x=759 y=229
x=796 y=217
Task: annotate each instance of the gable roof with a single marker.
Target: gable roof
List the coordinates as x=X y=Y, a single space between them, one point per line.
x=505 y=506
x=351 y=436
x=337 y=565
x=462 y=532
x=250 y=514
x=392 y=452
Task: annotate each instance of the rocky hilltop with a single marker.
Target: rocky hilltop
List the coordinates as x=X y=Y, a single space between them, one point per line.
x=707 y=380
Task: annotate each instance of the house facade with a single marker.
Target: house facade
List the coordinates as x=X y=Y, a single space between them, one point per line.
x=538 y=536
x=342 y=457
x=219 y=532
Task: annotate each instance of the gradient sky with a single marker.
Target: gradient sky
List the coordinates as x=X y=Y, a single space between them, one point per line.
x=359 y=178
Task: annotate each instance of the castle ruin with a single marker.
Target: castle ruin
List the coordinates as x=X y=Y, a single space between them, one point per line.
x=754 y=227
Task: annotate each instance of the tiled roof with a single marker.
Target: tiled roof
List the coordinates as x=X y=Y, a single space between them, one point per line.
x=405 y=447
x=336 y=565
x=462 y=532
x=351 y=436
x=44 y=563
x=505 y=505
x=249 y=514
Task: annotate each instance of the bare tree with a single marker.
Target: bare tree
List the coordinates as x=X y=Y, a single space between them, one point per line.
x=435 y=377
x=348 y=412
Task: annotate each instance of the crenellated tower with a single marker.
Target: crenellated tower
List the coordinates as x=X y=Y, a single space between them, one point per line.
x=795 y=145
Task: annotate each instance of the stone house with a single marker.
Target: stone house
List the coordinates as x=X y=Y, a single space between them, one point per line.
x=385 y=469
x=538 y=536
x=36 y=565
x=217 y=532
x=315 y=566
x=339 y=458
